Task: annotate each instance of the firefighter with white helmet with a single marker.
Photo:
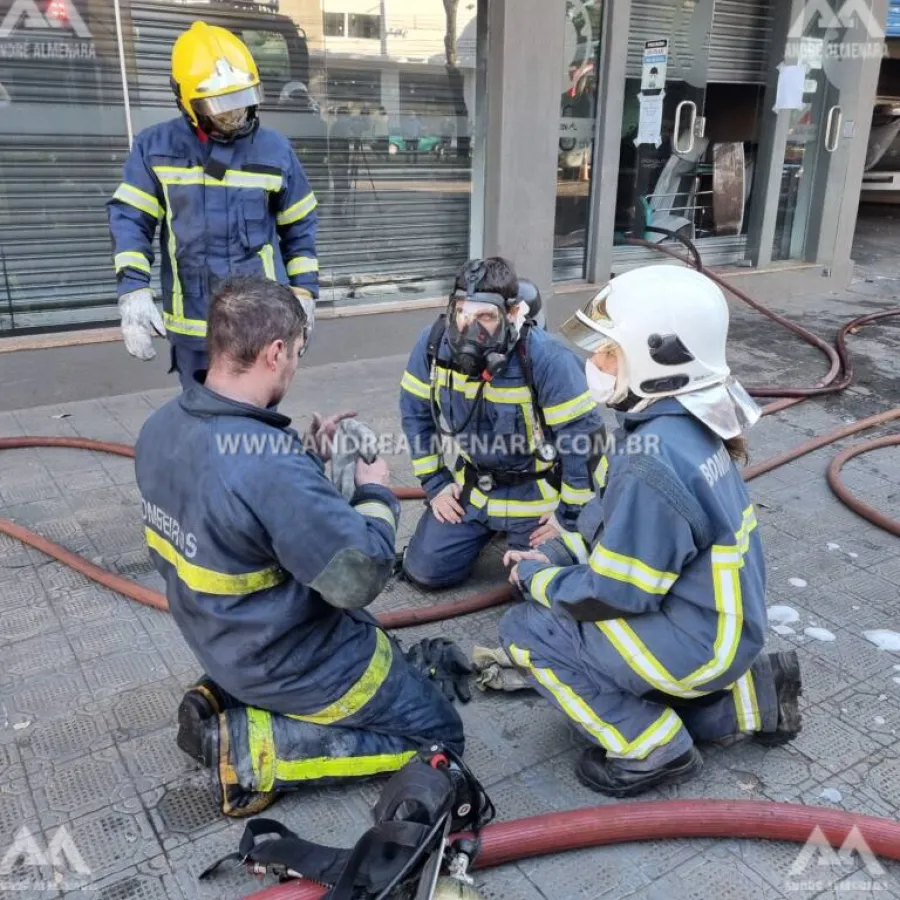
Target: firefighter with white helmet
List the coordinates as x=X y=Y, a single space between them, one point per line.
x=649 y=635
x=229 y=196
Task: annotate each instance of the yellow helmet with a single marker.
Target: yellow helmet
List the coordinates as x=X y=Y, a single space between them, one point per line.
x=216 y=81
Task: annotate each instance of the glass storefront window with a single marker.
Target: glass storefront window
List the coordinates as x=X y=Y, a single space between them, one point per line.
x=63 y=133
x=578 y=111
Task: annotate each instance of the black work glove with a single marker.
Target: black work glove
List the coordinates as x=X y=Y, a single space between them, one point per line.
x=445 y=664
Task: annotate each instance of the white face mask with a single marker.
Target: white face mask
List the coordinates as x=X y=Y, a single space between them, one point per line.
x=601 y=385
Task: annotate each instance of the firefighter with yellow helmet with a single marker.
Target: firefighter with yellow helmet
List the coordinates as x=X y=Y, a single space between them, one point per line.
x=229 y=197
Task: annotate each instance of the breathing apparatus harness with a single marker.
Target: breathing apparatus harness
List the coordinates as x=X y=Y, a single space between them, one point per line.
x=433 y=796
x=475 y=351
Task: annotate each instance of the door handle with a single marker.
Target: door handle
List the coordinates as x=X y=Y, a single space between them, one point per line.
x=831 y=144
x=690 y=145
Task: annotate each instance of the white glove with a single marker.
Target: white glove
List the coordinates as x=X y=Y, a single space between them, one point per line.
x=140 y=318
x=309 y=306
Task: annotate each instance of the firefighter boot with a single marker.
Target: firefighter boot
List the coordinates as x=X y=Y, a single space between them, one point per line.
x=613 y=778
x=788 y=688
x=202 y=701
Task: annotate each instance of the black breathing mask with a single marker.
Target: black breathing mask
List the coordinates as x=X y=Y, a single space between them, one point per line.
x=476 y=350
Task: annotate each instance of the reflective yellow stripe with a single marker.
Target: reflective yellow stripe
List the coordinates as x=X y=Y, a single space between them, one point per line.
x=132 y=259
x=512 y=509
x=661 y=732
x=576 y=545
x=177 y=316
x=208 y=581
x=575 y=496
x=268 y=259
x=726 y=564
x=417 y=388
x=180 y=325
x=570 y=410
x=600 y=473
x=745 y=704
x=297 y=211
x=540 y=583
x=300 y=265
x=469 y=387
x=261 y=744
x=139 y=199
x=377 y=511
x=631 y=571
x=426 y=465
x=520 y=509
x=290 y=770
x=361 y=692
x=232 y=178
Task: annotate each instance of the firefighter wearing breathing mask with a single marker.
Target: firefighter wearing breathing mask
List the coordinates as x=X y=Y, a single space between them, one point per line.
x=229 y=197
x=648 y=634
x=499 y=423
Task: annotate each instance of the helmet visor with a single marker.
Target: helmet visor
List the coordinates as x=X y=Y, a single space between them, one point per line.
x=236 y=101
x=588 y=328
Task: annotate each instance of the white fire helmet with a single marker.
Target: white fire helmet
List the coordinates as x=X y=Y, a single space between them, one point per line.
x=670 y=325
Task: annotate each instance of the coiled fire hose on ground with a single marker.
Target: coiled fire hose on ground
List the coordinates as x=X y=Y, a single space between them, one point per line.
x=608 y=824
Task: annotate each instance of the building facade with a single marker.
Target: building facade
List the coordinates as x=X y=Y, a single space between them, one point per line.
x=551 y=131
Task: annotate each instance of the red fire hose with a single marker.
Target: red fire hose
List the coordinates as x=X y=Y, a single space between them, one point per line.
x=597 y=826
x=608 y=824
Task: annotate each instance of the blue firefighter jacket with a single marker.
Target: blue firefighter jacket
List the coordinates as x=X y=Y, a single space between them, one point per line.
x=267 y=567
x=243 y=208
x=667 y=557
x=504 y=429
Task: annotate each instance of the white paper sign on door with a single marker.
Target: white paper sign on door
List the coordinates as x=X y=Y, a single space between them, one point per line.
x=650 y=122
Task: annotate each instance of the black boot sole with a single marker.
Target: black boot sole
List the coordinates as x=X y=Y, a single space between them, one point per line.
x=665 y=776
x=789 y=693
x=193 y=714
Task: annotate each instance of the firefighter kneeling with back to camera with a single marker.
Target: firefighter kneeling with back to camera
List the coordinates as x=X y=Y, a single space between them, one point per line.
x=514 y=401
x=649 y=635
x=268 y=571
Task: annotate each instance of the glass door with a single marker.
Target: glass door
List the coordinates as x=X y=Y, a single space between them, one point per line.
x=814 y=163
x=664 y=141
x=578 y=116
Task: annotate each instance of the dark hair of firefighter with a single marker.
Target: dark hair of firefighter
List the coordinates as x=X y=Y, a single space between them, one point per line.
x=737 y=448
x=495 y=275
x=246 y=315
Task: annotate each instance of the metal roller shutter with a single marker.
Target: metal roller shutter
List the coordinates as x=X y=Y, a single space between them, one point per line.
x=740 y=41
x=392 y=226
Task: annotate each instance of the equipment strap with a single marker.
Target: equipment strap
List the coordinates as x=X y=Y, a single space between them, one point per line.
x=377 y=857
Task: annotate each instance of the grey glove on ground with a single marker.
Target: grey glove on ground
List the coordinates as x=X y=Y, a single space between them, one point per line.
x=496 y=671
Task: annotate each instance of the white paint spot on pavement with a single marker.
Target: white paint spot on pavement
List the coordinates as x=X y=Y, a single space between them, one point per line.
x=819 y=634
x=832 y=546
x=783 y=629
x=783 y=615
x=879 y=720
x=797 y=582
x=883 y=640
x=20 y=725
x=832 y=795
